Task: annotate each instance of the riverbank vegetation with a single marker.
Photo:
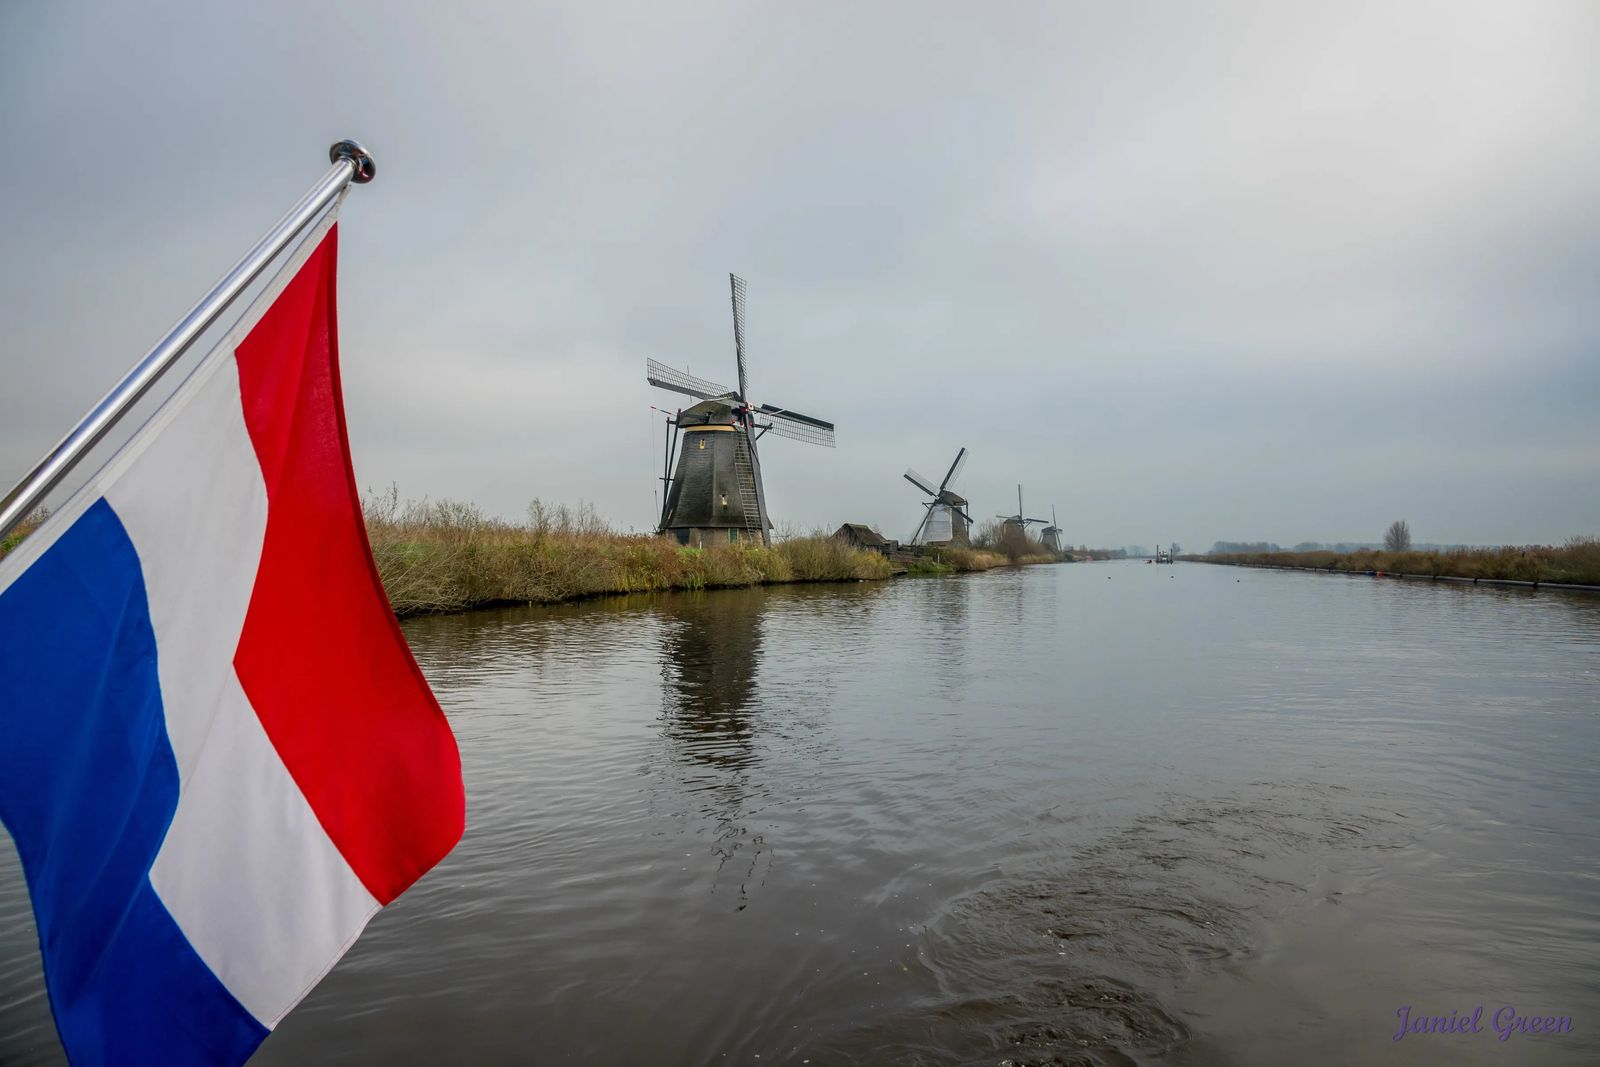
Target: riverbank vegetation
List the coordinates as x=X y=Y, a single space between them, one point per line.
x=1008 y=542
x=977 y=558
x=1085 y=554
x=447 y=556
x=443 y=556
x=1577 y=561
x=994 y=544
x=957 y=561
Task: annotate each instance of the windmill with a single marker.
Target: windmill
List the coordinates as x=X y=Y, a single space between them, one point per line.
x=716 y=492
x=1050 y=536
x=1017 y=520
x=945 y=519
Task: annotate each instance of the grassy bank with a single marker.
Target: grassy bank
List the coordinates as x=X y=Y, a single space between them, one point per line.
x=968 y=560
x=959 y=561
x=1577 y=562
x=446 y=556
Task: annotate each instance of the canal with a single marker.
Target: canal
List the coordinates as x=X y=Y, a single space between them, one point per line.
x=1100 y=814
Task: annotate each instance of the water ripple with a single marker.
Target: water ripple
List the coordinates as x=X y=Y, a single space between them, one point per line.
x=1098 y=814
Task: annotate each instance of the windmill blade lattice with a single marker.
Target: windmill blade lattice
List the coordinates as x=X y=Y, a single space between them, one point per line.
x=955 y=470
x=797 y=427
x=920 y=482
x=737 y=285
x=665 y=377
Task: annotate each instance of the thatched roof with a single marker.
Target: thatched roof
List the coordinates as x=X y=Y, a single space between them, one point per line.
x=861 y=535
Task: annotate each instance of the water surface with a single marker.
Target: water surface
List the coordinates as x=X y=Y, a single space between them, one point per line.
x=1097 y=814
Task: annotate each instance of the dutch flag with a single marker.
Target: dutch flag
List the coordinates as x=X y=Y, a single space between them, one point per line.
x=218 y=758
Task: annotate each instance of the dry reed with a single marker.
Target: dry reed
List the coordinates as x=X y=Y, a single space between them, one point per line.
x=448 y=556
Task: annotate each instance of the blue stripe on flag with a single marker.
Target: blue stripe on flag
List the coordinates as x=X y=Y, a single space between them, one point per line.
x=88 y=786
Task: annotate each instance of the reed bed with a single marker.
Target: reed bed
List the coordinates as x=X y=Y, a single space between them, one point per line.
x=967 y=560
x=956 y=561
x=448 y=556
x=444 y=556
x=1577 y=562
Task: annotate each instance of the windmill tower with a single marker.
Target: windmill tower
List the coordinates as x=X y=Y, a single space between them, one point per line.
x=944 y=519
x=1050 y=536
x=716 y=493
x=1017 y=520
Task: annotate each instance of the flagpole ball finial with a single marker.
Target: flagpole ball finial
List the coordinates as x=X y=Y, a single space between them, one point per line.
x=359 y=157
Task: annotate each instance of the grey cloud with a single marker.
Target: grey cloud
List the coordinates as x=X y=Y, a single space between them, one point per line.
x=1187 y=271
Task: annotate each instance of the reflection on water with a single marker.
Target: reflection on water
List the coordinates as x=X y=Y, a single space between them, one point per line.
x=1098 y=814
x=709 y=655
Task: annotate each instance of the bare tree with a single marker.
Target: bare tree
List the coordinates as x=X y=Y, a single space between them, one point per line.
x=1397 y=538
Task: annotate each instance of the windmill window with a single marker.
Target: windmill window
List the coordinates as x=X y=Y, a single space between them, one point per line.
x=702 y=442
x=724 y=500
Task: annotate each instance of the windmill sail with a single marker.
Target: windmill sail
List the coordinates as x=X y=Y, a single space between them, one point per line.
x=955 y=470
x=798 y=427
x=916 y=536
x=737 y=284
x=940 y=525
x=920 y=482
x=665 y=377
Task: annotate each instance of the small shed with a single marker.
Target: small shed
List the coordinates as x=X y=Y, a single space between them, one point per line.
x=857 y=535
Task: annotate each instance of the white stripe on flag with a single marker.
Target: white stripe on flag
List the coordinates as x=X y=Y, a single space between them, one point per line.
x=246 y=870
x=249 y=874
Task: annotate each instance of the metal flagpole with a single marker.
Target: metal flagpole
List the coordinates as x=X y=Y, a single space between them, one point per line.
x=352 y=164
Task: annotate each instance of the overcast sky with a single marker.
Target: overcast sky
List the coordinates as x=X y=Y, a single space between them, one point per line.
x=1192 y=271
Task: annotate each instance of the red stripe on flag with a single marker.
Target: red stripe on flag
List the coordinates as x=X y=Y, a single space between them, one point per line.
x=321 y=658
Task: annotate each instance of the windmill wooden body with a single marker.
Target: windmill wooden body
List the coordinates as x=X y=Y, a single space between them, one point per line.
x=944 y=518
x=1050 y=536
x=715 y=494
x=1018 y=520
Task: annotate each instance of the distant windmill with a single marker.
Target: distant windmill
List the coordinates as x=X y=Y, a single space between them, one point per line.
x=1050 y=536
x=716 y=492
x=944 y=519
x=1017 y=520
